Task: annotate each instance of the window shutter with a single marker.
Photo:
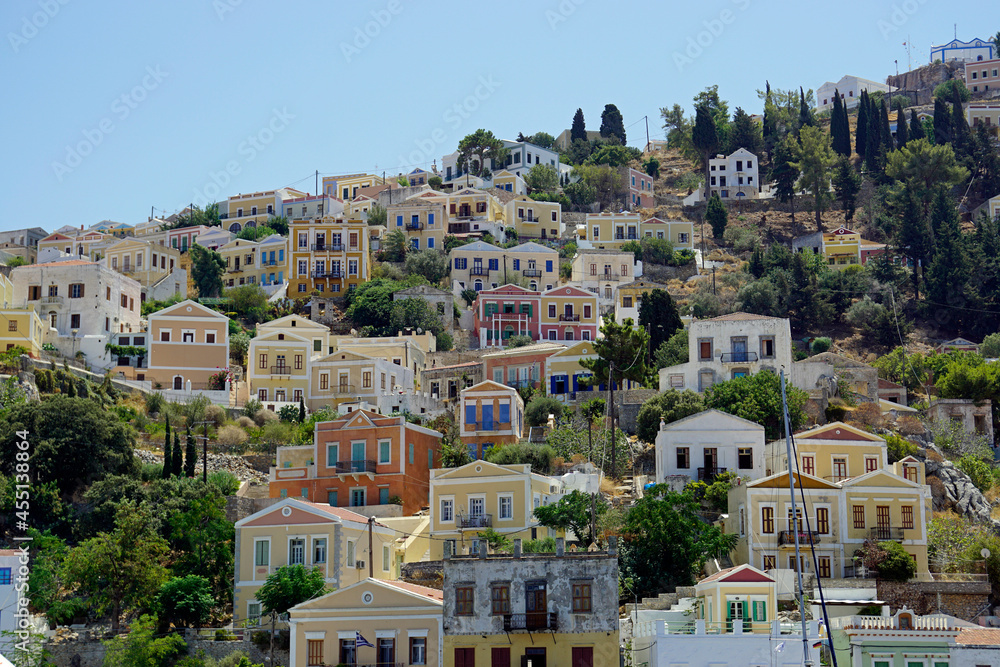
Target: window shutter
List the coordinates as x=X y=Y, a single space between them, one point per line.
x=470 y=414
x=504 y=413
x=552 y=389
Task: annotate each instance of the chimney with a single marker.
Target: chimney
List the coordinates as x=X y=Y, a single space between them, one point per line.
x=517 y=547
x=482 y=548
x=560 y=546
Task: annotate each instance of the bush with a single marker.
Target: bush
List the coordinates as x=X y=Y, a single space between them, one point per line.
x=742 y=239
x=820 y=345
x=910 y=425
x=231 y=436
x=150 y=472
x=899 y=447
x=288 y=413
x=545 y=545
x=897 y=565
x=990 y=348
x=669 y=406
x=226 y=482
x=252 y=407
x=222 y=635
x=154 y=403
x=538 y=456
x=868 y=414
x=215 y=414
x=538 y=410
x=264 y=416
x=245 y=422
x=981 y=473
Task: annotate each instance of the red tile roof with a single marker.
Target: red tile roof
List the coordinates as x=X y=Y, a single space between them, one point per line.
x=340 y=512
x=431 y=593
x=979 y=636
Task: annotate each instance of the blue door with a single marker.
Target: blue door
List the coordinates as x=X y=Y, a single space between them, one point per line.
x=383 y=496
x=487 y=418
x=358 y=457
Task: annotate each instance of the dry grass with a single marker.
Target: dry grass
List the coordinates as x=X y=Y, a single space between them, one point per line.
x=868 y=414
x=934 y=456
x=910 y=425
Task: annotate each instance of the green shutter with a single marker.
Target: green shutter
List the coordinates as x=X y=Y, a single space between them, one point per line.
x=729 y=611
x=746 y=616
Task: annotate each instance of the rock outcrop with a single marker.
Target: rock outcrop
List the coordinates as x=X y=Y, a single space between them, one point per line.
x=959 y=492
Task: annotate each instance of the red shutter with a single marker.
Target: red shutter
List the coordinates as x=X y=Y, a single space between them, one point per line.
x=583 y=656
x=500 y=657
x=465 y=657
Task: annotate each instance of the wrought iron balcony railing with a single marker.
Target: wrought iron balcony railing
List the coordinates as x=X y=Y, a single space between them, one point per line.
x=530 y=621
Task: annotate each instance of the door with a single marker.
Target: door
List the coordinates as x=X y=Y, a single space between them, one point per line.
x=487 y=418
x=464 y=657
x=178 y=382
x=357 y=457
x=711 y=462
x=740 y=350
x=882 y=522
x=533 y=657
x=583 y=656
x=536 y=605
x=386 y=651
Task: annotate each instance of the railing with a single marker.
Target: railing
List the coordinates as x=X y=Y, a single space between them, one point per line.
x=738 y=357
x=806 y=537
x=629 y=237
x=607 y=275
x=281 y=370
x=518 y=384
x=376 y=664
x=489 y=426
x=414 y=226
x=708 y=474
x=342 y=388
x=269 y=262
x=475 y=521
x=532 y=273
x=56 y=300
x=478 y=271
x=347 y=467
x=327 y=247
x=332 y=273
x=569 y=318
x=883 y=533
x=530 y=621
x=890 y=623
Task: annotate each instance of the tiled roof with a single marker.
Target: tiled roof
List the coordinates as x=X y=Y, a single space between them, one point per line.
x=339 y=512
x=431 y=593
x=979 y=636
x=461 y=365
x=69 y=262
x=740 y=317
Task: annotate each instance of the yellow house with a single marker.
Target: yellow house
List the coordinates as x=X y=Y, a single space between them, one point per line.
x=188 y=343
x=842 y=248
x=741 y=593
x=346 y=187
x=563 y=373
x=834 y=452
x=298 y=532
x=348 y=377
x=328 y=255
x=18 y=326
x=84 y=244
x=145 y=262
x=480 y=495
x=679 y=232
x=280 y=358
x=491 y=414
x=400 y=624
x=534 y=219
x=254 y=209
x=241 y=262
x=610 y=230
x=568 y=313
x=629 y=298
x=424 y=220
x=409 y=350
x=473 y=211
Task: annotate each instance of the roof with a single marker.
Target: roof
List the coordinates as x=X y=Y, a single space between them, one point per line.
x=739 y=573
x=532 y=247
x=978 y=637
x=740 y=317
x=431 y=593
x=339 y=512
x=462 y=365
x=715 y=413
x=534 y=347
x=68 y=262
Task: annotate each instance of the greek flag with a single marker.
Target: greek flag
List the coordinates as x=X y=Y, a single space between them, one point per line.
x=777 y=649
x=361 y=641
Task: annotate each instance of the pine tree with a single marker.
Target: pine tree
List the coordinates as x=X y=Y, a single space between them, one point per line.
x=916 y=128
x=167 y=465
x=846 y=183
x=888 y=144
x=612 y=124
x=861 y=133
x=176 y=460
x=755 y=267
x=716 y=215
x=578 y=130
x=914 y=236
x=190 y=455
x=902 y=131
x=806 y=118
x=705 y=138
x=960 y=133
x=784 y=173
x=942 y=122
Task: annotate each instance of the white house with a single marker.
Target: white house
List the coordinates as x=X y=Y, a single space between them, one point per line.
x=850 y=88
x=81 y=303
x=730 y=346
x=522 y=157
x=734 y=176
x=9 y=564
x=971 y=51
x=706 y=444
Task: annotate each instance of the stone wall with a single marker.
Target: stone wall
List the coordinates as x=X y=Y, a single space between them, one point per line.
x=961 y=599
x=663 y=274
x=919 y=84
x=425 y=573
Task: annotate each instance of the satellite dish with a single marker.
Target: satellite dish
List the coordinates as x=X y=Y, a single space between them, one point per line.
x=419 y=330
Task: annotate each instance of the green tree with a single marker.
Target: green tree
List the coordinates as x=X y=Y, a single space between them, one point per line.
x=614 y=155
x=496 y=541
x=395 y=246
x=143 y=646
x=591 y=411
x=606 y=183
x=668 y=407
x=190 y=454
x=542 y=178
x=612 y=125
x=949 y=88
x=806 y=118
x=652 y=167
x=541 y=139
x=537 y=412
x=176 y=457
x=896 y=564
x=744 y=133
x=120 y=570
x=902 y=131
x=185 y=601
x=249 y=303
x=578 y=131
x=581 y=194
x=476 y=148
x=757 y=398
x=705 y=139
x=255 y=233
x=990 y=347
x=674 y=351
x=960 y=133
x=659 y=316
x=377 y=215
x=519 y=453
x=949 y=272
x=878 y=324
x=168 y=466
x=621 y=353
x=942 y=121
x=785 y=171
x=846 y=184
x=861 y=131
x=76 y=442
x=840 y=128
x=666 y=542
x=207 y=269
x=923 y=166
x=431 y=264
x=916 y=128
x=572 y=512
x=288 y=586
x=239 y=345
x=717 y=215
x=813 y=160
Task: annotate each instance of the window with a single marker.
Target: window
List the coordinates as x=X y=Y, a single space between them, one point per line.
x=767 y=520
x=586 y=311
x=506 y=509
x=767 y=347
x=552 y=310
x=418 y=650
x=12 y=325
x=386 y=557
x=210 y=337
x=350 y=553
x=447 y=510
x=384 y=447
x=187 y=336
x=319 y=550
x=823 y=520
x=746 y=458
x=626 y=302
x=770 y=562
x=683 y=458
x=296 y=552
x=500 y=656
x=704 y=349
x=348 y=651
x=871 y=463
x=463 y=600
x=824 y=566
x=581 y=597
x=907 y=516
x=809 y=464
x=74 y=321
x=262 y=553
x=500 y=599
x=76 y=291
x=839 y=469
x=859 y=517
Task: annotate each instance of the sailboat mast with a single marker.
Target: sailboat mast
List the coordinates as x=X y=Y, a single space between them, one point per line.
x=794 y=520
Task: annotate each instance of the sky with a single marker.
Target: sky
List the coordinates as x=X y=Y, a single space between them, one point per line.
x=116 y=110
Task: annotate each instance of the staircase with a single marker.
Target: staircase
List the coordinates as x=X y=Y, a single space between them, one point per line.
x=663 y=601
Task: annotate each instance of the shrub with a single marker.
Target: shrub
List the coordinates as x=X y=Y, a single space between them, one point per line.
x=245 y=422
x=742 y=239
x=897 y=565
x=518 y=341
x=154 y=403
x=538 y=410
x=215 y=414
x=150 y=472
x=545 y=545
x=288 y=413
x=868 y=414
x=910 y=425
x=231 y=436
x=899 y=447
x=990 y=348
x=820 y=345
x=252 y=407
x=980 y=473
x=836 y=412
x=226 y=482
x=222 y=635
x=264 y=416
x=538 y=456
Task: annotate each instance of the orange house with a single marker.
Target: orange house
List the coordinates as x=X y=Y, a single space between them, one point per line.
x=361 y=459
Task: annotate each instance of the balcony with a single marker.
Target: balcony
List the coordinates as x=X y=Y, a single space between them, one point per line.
x=281 y=370
x=708 y=474
x=806 y=537
x=479 y=271
x=520 y=384
x=51 y=300
x=269 y=262
x=885 y=533
x=607 y=275
x=530 y=621
x=349 y=467
x=532 y=273
x=475 y=521
x=738 y=357
x=341 y=389
x=414 y=226
x=626 y=237
x=569 y=318
x=332 y=273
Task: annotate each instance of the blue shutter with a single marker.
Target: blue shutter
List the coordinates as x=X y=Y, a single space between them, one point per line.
x=548 y=265
x=504 y=414
x=552 y=388
x=517 y=265
x=576 y=383
x=430 y=219
x=383 y=496
x=281 y=255
x=487 y=418
x=430 y=242
x=470 y=414
x=494 y=264
x=399 y=221
x=457 y=260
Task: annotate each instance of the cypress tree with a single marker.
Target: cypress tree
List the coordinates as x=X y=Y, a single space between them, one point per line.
x=756 y=264
x=176 y=462
x=769 y=131
x=302 y=411
x=861 y=133
x=902 y=132
x=915 y=237
x=942 y=122
x=916 y=128
x=948 y=273
x=578 y=130
x=705 y=138
x=805 y=113
x=840 y=128
x=959 y=127
x=167 y=464
x=874 y=137
x=190 y=455
x=885 y=132
x=716 y=215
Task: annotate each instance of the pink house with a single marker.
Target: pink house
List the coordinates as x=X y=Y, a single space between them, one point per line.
x=185 y=237
x=569 y=313
x=640 y=188
x=504 y=312
x=983 y=75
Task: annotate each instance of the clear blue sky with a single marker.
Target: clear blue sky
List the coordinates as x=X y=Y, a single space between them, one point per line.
x=113 y=107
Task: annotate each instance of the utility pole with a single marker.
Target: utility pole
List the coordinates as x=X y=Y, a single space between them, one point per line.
x=505 y=268
x=204 y=451
x=371 y=552
x=647 y=131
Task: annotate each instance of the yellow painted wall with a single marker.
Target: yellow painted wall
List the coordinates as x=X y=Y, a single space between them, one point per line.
x=558 y=646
